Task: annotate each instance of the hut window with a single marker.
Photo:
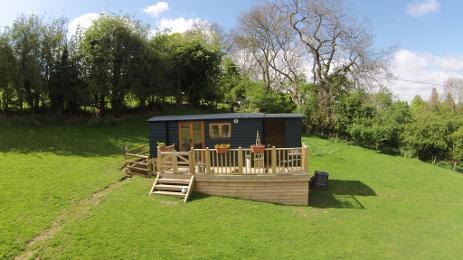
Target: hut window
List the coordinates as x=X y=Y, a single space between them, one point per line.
x=220 y=130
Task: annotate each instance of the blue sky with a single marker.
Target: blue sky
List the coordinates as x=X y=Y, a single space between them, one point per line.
x=426 y=33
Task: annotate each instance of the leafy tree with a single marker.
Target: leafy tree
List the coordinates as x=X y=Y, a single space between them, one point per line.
x=196 y=69
x=8 y=72
x=233 y=85
x=418 y=105
x=428 y=136
x=26 y=36
x=258 y=100
x=112 y=45
x=434 y=100
x=457 y=147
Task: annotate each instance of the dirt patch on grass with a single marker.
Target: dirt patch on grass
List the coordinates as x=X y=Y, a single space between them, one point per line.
x=70 y=215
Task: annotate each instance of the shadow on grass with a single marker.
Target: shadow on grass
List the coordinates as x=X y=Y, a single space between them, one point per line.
x=340 y=194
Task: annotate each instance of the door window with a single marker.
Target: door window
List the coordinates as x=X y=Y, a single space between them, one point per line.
x=191 y=135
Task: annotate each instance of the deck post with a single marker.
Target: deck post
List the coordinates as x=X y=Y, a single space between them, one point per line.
x=158 y=164
x=125 y=154
x=192 y=160
x=274 y=160
x=208 y=161
x=158 y=161
x=240 y=160
x=304 y=161
x=174 y=161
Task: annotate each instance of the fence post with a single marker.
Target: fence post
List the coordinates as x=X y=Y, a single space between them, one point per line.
x=240 y=160
x=192 y=160
x=125 y=154
x=274 y=160
x=208 y=161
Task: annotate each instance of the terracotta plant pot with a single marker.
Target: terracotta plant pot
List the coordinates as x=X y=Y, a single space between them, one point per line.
x=257 y=148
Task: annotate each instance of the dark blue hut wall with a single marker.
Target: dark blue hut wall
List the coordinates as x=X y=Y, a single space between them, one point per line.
x=172 y=134
x=243 y=133
x=293 y=132
x=158 y=133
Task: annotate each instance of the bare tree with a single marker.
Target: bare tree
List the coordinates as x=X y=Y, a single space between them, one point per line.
x=453 y=87
x=337 y=43
x=265 y=40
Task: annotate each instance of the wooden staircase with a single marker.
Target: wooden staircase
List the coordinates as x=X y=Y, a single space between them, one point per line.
x=173 y=186
x=138 y=167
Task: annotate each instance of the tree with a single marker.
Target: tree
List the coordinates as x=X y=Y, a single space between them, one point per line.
x=454 y=87
x=196 y=69
x=338 y=46
x=233 y=85
x=264 y=33
x=428 y=136
x=26 y=37
x=54 y=55
x=434 y=100
x=258 y=100
x=8 y=72
x=457 y=147
x=418 y=105
x=112 y=45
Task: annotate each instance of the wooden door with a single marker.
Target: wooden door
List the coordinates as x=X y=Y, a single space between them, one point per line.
x=274 y=132
x=191 y=134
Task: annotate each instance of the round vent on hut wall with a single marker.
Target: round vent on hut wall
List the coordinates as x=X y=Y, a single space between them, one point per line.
x=235 y=121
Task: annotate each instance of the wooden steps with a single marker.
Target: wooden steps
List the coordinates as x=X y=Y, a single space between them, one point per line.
x=173 y=186
x=139 y=167
x=173 y=193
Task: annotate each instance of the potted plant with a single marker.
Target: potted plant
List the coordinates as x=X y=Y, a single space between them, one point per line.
x=161 y=146
x=258 y=147
x=222 y=148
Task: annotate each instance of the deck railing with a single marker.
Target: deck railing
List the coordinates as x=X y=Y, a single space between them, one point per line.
x=240 y=161
x=140 y=152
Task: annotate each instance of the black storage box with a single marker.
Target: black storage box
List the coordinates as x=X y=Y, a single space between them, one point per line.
x=320 y=180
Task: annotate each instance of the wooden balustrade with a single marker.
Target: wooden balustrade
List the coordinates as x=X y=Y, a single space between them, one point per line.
x=240 y=161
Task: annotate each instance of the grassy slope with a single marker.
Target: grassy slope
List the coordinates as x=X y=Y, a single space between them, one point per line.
x=377 y=206
x=46 y=168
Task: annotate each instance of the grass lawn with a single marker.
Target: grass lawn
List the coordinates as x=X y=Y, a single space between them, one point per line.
x=47 y=168
x=377 y=206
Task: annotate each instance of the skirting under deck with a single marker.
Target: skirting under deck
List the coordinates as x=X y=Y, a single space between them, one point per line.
x=281 y=189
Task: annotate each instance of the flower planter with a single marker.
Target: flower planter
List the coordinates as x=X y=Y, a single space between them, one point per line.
x=257 y=148
x=222 y=150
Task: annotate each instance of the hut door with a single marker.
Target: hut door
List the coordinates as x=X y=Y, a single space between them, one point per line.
x=274 y=132
x=191 y=134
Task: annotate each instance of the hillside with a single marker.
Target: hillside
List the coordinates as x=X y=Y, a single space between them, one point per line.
x=377 y=205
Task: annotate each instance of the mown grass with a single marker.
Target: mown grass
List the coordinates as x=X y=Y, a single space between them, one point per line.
x=48 y=164
x=377 y=206
x=46 y=168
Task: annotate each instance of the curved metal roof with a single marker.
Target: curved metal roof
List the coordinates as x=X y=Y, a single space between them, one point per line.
x=222 y=116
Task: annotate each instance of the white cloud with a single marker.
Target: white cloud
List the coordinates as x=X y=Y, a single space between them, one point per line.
x=423 y=7
x=84 y=21
x=178 y=25
x=425 y=67
x=156 y=9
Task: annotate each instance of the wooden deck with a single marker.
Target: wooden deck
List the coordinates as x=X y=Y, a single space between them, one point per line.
x=278 y=175
x=280 y=189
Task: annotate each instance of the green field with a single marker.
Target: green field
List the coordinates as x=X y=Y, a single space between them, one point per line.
x=377 y=206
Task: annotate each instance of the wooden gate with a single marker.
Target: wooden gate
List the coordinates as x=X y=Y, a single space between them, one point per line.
x=173 y=162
